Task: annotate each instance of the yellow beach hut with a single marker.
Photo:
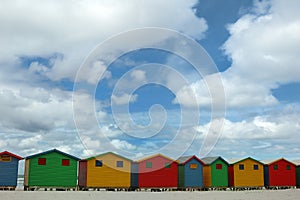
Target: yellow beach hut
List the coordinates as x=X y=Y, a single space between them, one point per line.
x=246 y=172
x=108 y=170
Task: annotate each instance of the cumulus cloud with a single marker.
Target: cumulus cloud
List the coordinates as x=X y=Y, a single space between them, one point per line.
x=124 y=99
x=260 y=135
x=264 y=52
x=263 y=47
x=122 y=144
x=35 y=111
x=138 y=75
x=74 y=28
x=37 y=115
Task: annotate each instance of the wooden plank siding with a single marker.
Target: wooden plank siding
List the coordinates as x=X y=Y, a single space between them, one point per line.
x=134 y=180
x=207 y=176
x=247 y=172
x=215 y=172
x=280 y=173
x=109 y=174
x=298 y=176
x=190 y=172
x=52 y=173
x=82 y=173
x=9 y=169
x=297 y=163
x=26 y=172
x=158 y=171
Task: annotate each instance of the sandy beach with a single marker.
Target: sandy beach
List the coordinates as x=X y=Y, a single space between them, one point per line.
x=290 y=194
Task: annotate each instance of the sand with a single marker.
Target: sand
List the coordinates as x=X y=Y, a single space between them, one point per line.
x=290 y=194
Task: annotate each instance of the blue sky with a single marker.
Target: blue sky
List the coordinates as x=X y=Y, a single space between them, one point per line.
x=57 y=92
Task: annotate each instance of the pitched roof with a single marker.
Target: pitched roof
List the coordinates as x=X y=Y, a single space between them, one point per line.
x=11 y=154
x=51 y=151
x=112 y=153
x=269 y=162
x=211 y=160
x=157 y=155
x=185 y=159
x=238 y=160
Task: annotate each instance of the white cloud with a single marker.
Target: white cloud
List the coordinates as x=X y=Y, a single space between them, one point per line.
x=124 y=99
x=74 y=28
x=264 y=50
x=138 y=75
x=262 y=45
x=34 y=109
x=271 y=135
x=94 y=73
x=283 y=125
x=122 y=144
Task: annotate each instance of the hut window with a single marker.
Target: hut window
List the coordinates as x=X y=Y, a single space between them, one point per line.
x=275 y=167
x=119 y=163
x=42 y=161
x=65 y=162
x=167 y=165
x=193 y=166
x=98 y=163
x=148 y=164
x=5 y=158
x=219 y=166
x=288 y=167
x=255 y=167
x=241 y=166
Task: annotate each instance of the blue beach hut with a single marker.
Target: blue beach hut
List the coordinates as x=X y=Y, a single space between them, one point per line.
x=9 y=163
x=190 y=172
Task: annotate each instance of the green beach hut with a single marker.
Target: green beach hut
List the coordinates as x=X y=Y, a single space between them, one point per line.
x=50 y=169
x=215 y=172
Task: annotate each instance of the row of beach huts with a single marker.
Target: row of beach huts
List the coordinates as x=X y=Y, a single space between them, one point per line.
x=57 y=170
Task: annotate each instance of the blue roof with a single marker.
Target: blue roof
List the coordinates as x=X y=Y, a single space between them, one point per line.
x=51 y=151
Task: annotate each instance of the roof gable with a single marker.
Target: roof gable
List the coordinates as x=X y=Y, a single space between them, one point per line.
x=108 y=153
x=235 y=161
x=157 y=155
x=211 y=160
x=270 y=162
x=185 y=159
x=52 y=151
x=10 y=154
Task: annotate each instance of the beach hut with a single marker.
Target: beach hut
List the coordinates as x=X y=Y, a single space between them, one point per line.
x=134 y=179
x=297 y=163
x=157 y=171
x=190 y=172
x=246 y=172
x=50 y=169
x=215 y=172
x=279 y=172
x=9 y=163
x=107 y=170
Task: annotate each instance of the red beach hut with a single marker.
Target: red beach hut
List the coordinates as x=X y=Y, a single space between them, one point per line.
x=279 y=172
x=158 y=171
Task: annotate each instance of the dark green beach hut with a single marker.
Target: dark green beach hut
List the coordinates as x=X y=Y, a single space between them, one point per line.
x=50 y=169
x=297 y=163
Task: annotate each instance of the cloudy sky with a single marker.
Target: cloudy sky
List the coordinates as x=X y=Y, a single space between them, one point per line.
x=88 y=77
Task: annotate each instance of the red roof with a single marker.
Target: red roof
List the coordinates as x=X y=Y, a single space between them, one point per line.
x=10 y=154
